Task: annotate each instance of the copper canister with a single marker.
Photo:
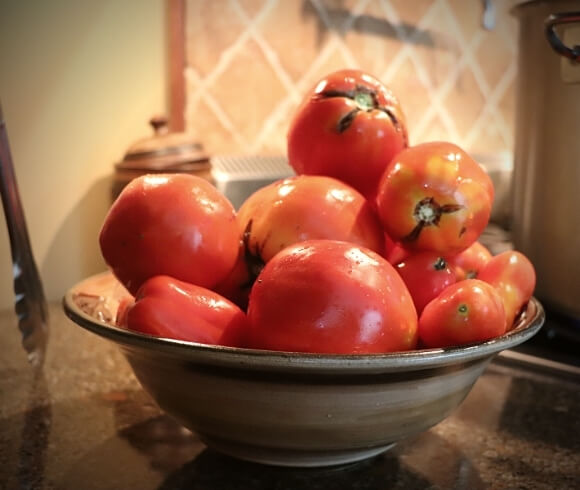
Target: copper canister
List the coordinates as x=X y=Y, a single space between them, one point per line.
x=163 y=152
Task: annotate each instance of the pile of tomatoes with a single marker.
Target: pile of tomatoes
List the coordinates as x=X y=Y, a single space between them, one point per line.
x=371 y=247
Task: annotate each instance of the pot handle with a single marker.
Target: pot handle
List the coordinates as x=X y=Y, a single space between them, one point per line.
x=572 y=53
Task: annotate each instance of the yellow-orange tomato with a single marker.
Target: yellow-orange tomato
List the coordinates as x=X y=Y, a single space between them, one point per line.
x=514 y=277
x=306 y=207
x=434 y=196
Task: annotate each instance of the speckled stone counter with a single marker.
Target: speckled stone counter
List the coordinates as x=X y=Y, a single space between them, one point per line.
x=85 y=423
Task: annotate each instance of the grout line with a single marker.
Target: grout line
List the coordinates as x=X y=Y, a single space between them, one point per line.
x=490 y=109
x=436 y=93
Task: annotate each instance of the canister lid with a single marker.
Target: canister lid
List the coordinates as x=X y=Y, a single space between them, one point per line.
x=165 y=151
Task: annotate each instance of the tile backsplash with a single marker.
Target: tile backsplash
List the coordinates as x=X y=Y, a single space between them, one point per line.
x=250 y=62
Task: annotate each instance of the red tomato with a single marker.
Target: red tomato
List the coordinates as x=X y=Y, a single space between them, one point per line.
x=394 y=253
x=349 y=127
x=306 y=207
x=331 y=297
x=434 y=196
x=426 y=274
x=166 y=307
x=173 y=224
x=468 y=263
x=465 y=312
x=514 y=276
x=237 y=285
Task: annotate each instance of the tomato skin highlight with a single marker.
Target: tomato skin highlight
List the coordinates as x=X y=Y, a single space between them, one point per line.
x=166 y=307
x=349 y=126
x=426 y=275
x=434 y=196
x=327 y=296
x=171 y=224
x=514 y=276
x=465 y=312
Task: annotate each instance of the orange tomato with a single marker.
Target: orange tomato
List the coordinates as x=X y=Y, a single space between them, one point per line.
x=307 y=207
x=514 y=276
x=434 y=196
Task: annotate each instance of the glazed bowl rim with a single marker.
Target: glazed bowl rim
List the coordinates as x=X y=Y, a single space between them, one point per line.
x=527 y=325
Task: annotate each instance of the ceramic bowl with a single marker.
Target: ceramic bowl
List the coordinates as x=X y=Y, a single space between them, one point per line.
x=294 y=409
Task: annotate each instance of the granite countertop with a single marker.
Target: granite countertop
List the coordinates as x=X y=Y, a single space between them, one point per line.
x=85 y=423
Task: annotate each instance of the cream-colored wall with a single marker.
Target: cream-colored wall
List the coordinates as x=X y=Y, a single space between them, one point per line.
x=79 y=80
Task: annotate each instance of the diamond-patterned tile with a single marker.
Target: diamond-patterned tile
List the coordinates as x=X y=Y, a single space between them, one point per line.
x=465 y=101
x=248 y=89
x=249 y=61
x=488 y=137
x=295 y=36
x=373 y=40
x=507 y=104
x=211 y=27
x=442 y=53
x=435 y=130
x=412 y=94
x=494 y=56
x=273 y=142
x=252 y=7
x=338 y=13
x=409 y=13
x=203 y=124
x=334 y=59
x=468 y=15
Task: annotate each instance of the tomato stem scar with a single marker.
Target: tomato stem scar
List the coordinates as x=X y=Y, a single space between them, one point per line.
x=428 y=212
x=440 y=264
x=366 y=100
x=345 y=121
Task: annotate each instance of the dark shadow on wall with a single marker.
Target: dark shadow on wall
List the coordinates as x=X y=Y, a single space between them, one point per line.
x=74 y=252
x=339 y=18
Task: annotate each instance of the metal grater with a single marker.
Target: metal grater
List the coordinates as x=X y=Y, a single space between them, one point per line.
x=237 y=177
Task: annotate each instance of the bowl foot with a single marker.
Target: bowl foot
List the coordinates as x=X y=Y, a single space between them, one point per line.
x=293 y=457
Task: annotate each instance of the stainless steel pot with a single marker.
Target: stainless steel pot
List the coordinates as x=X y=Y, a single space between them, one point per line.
x=546 y=178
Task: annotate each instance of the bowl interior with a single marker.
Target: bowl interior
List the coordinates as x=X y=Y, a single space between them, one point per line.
x=93 y=303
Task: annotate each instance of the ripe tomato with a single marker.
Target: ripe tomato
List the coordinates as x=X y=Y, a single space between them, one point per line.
x=238 y=283
x=426 y=275
x=434 y=196
x=468 y=263
x=394 y=253
x=465 y=312
x=165 y=307
x=331 y=297
x=349 y=127
x=514 y=276
x=302 y=208
x=174 y=224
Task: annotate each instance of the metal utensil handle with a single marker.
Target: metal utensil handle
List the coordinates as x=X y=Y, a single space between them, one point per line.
x=30 y=302
x=553 y=20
